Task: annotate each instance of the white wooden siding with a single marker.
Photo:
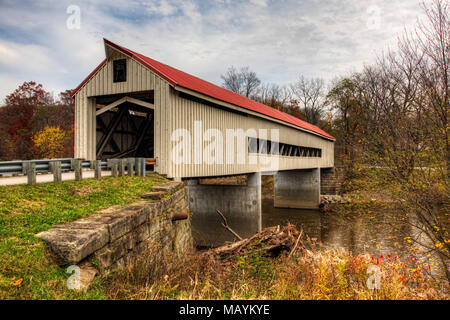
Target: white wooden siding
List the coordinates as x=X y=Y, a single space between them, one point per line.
x=139 y=78
x=185 y=111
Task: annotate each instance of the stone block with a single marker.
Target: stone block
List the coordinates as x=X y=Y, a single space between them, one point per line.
x=110 y=209
x=154 y=209
x=70 y=246
x=142 y=232
x=169 y=202
x=177 y=207
x=142 y=211
x=124 y=221
x=158 y=195
x=168 y=187
x=87 y=274
x=154 y=227
x=103 y=257
x=111 y=253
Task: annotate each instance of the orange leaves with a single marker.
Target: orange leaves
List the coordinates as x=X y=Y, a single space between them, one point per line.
x=16 y=283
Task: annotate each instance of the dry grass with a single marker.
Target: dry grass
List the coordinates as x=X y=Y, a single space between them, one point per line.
x=306 y=274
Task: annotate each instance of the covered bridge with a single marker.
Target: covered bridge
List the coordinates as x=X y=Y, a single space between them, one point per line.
x=132 y=106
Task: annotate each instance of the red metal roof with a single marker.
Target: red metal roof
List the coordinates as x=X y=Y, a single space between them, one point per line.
x=185 y=80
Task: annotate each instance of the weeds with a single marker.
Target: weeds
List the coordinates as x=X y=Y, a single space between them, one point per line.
x=327 y=274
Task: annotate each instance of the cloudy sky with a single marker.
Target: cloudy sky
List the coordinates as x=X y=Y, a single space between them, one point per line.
x=278 y=39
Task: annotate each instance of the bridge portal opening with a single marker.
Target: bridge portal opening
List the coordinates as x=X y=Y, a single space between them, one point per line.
x=125 y=126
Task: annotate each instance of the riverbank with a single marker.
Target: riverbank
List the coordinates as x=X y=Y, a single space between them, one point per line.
x=302 y=271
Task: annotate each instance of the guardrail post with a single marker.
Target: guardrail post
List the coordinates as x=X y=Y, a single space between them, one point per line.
x=114 y=165
x=122 y=163
x=144 y=167
x=138 y=167
x=97 y=169
x=130 y=167
x=77 y=167
x=30 y=169
x=55 y=168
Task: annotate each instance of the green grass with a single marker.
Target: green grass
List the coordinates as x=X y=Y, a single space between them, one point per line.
x=27 y=210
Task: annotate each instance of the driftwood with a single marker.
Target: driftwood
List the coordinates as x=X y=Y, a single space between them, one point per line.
x=269 y=242
x=226 y=226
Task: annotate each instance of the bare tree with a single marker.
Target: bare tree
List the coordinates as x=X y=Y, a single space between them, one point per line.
x=433 y=36
x=244 y=81
x=310 y=95
x=398 y=110
x=274 y=96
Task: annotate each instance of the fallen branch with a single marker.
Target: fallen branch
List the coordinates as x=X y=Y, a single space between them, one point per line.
x=226 y=226
x=296 y=243
x=270 y=241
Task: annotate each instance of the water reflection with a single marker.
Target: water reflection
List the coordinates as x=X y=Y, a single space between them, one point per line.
x=374 y=234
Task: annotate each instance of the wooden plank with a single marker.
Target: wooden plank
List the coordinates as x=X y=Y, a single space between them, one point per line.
x=55 y=168
x=30 y=169
x=110 y=106
x=76 y=166
x=97 y=169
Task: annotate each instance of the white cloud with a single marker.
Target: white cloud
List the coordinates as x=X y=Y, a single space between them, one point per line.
x=278 y=39
x=162 y=7
x=262 y=3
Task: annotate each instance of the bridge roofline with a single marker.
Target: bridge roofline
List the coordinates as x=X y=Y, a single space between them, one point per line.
x=179 y=79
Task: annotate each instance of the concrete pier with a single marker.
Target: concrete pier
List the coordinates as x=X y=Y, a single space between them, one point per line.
x=298 y=189
x=240 y=204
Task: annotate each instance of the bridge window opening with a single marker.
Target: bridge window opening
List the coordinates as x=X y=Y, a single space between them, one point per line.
x=120 y=70
x=294 y=151
x=302 y=151
x=252 y=145
x=262 y=146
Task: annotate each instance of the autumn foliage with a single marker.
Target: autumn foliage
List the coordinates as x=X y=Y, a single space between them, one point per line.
x=49 y=143
x=27 y=112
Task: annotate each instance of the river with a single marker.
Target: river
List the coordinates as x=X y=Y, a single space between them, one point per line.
x=373 y=233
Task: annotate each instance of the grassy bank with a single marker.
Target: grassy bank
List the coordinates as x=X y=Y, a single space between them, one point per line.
x=25 y=273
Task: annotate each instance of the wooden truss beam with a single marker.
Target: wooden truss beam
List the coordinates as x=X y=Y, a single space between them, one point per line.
x=139 y=137
x=123 y=100
x=105 y=132
x=107 y=136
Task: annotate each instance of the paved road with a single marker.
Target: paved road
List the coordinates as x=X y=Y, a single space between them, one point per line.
x=44 y=178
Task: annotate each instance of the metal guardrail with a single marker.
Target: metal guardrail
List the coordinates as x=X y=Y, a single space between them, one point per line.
x=30 y=168
x=43 y=165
